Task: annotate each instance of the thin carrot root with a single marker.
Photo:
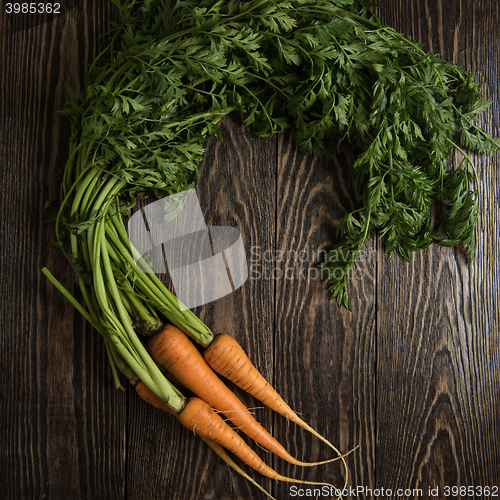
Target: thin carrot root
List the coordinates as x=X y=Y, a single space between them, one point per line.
x=229 y=461
x=150 y=397
x=175 y=352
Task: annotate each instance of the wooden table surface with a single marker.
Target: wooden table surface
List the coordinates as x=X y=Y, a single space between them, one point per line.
x=411 y=375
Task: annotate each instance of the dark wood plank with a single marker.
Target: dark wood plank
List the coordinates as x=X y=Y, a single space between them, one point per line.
x=437 y=408
x=317 y=344
x=324 y=355
x=237 y=189
x=62 y=422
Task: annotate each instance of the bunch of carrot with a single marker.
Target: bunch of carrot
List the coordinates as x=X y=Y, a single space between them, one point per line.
x=134 y=135
x=166 y=360
x=124 y=303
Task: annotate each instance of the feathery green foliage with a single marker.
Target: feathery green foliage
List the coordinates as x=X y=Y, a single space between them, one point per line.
x=326 y=69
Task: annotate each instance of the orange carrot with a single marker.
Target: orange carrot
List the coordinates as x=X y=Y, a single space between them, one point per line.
x=227 y=358
x=173 y=350
x=199 y=417
x=202 y=419
x=173 y=379
x=150 y=397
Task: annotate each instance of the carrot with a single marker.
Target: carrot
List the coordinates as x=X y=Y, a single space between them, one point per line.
x=150 y=397
x=199 y=417
x=173 y=350
x=228 y=359
x=204 y=421
x=172 y=378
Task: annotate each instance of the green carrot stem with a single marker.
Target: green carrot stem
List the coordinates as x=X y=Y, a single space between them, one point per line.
x=87 y=298
x=126 y=302
x=67 y=185
x=112 y=363
x=149 y=324
x=158 y=384
x=110 y=189
x=146 y=320
x=73 y=301
x=166 y=300
x=122 y=366
x=66 y=200
x=85 y=191
x=176 y=401
x=163 y=385
x=188 y=321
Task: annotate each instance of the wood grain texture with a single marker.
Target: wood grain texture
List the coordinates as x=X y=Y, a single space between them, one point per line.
x=437 y=357
x=410 y=375
x=323 y=353
x=60 y=413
